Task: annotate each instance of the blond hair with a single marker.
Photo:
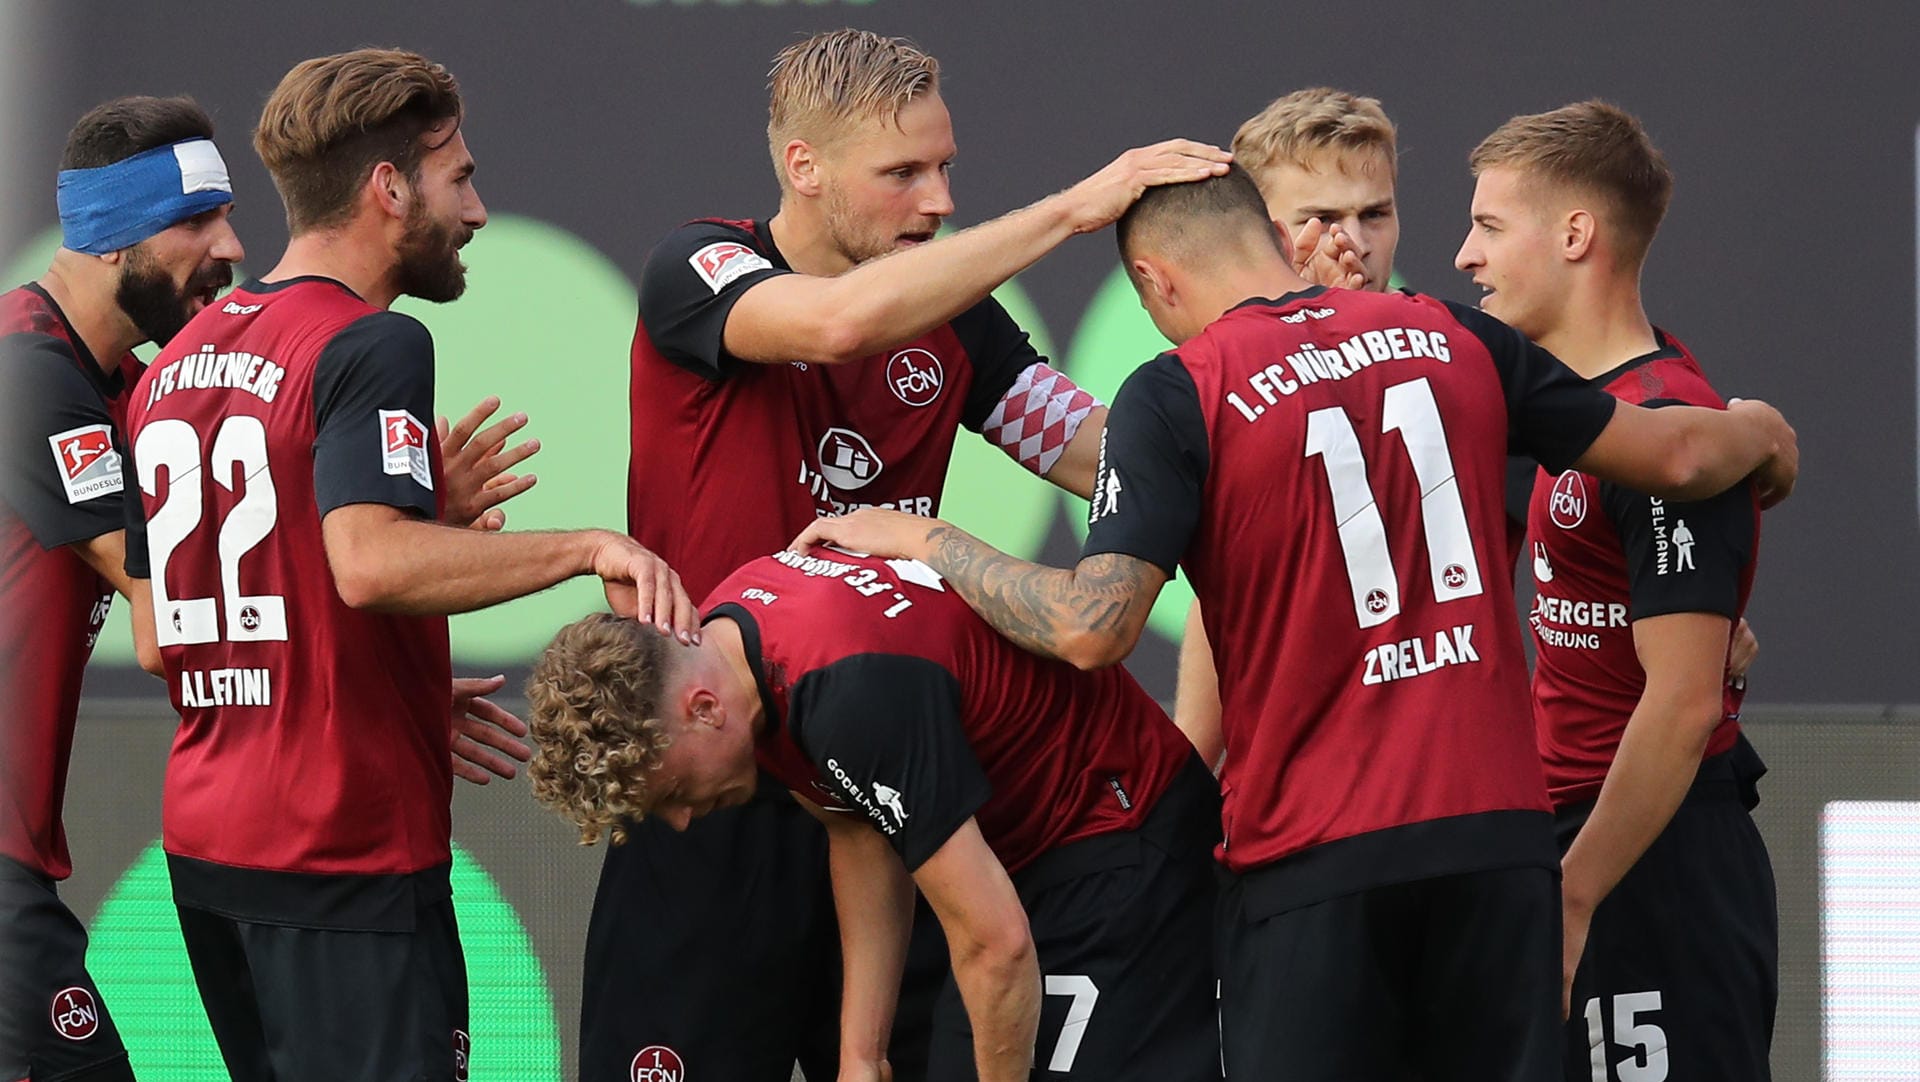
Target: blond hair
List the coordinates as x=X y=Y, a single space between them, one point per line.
x=1595 y=147
x=1302 y=127
x=595 y=704
x=833 y=79
x=334 y=118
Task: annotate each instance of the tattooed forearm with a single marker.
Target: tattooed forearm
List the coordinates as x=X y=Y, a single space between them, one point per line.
x=1090 y=615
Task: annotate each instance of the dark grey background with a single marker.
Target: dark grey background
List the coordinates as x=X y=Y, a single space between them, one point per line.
x=1787 y=261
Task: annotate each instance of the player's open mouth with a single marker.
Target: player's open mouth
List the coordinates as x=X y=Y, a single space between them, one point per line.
x=907 y=240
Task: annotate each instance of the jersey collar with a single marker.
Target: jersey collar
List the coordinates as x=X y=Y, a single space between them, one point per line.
x=110 y=385
x=1668 y=349
x=1282 y=301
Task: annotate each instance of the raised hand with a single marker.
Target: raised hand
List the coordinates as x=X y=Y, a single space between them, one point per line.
x=477 y=468
x=480 y=725
x=1326 y=255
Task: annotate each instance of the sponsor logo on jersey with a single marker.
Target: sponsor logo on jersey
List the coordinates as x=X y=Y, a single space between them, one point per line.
x=1106 y=487
x=1305 y=314
x=657 y=1063
x=1542 y=567
x=403 y=446
x=852 y=793
x=462 y=1049
x=847 y=460
x=889 y=798
x=88 y=464
x=76 y=1016
x=233 y=309
x=1567 y=506
x=755 y=593
x=722 y=263
x=915 y=377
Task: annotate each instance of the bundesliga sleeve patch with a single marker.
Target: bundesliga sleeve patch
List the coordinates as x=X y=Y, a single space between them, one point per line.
x=88 y=464
x=721 y=264
x=1038 y=417
x=403 y=444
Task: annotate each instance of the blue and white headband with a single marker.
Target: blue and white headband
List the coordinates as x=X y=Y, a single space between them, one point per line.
x=116 y=206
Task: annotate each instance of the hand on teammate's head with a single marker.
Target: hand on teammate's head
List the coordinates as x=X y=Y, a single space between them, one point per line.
x=1102 y=198
x=640 y=586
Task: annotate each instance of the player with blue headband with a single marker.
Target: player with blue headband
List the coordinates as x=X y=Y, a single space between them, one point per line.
x=146 y=243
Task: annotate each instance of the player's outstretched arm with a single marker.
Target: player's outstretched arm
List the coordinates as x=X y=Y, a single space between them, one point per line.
x=994 y=962
x=1089 y=616
x=1196 y=696
x=1690 y=452
x=1684 y=655
x=387 y=559
x=873 y=899
x=880 y=304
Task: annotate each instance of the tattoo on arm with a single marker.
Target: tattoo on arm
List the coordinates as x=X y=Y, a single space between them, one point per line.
x=1043 y=608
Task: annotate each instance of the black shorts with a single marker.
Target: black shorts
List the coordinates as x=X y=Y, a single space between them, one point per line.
x=1123 y=926
x=1449 y=979
x=320 y=1005
x=716 y=949
x=1681 y=970
x=53 y=1023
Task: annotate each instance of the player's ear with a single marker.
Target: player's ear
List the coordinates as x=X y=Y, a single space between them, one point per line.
x=1576 y=235
x=704 y=708
x=802 y=163
x=388 y=189
x=1151 y=280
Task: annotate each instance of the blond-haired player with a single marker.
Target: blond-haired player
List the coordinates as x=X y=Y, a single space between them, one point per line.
x=784 y=369
x=1667 y=889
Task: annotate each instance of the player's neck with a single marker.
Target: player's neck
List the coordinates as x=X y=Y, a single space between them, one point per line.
x=86 y=298
x=1602 y=328
x=729 y=647
x=369 y=269
x=803 y=240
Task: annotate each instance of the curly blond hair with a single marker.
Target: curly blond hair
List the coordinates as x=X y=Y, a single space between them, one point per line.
x=595 y=700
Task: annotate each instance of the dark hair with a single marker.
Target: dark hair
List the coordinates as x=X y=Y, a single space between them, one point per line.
x=333 y=119
x=117 y=130
x=1192 y=212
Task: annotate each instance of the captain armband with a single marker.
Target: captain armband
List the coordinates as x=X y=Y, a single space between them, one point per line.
x=1038 y=417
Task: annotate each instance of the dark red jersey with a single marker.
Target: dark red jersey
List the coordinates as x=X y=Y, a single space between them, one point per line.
x=887 y=697
x=1606 y=556
x=60 y=484
x=314 y=737
x=1330 y=469
x=730 y=460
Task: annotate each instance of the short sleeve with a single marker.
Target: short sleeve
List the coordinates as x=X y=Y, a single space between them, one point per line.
x=998 y=350
x=884 y=730
x=1684 y=557
x=1553 y=415
x=690 y=284
x=62 y=454
x=373 y=416
x=1153 y=467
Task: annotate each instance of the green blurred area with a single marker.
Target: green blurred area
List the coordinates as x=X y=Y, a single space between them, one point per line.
x=139 y=961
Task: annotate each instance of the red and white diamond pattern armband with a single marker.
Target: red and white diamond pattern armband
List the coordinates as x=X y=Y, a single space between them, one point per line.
x=1038 y=417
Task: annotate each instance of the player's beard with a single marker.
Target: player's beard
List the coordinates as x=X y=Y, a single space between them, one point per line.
x=851 y=237
x=430 y=266
x=153 y=304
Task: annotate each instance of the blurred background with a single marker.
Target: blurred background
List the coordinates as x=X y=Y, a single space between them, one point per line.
x=1787 y=262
